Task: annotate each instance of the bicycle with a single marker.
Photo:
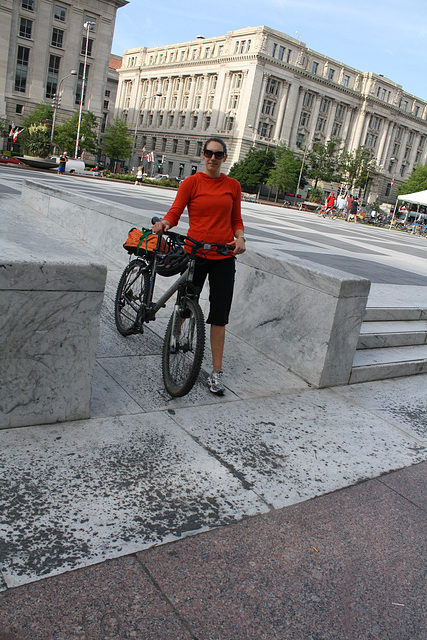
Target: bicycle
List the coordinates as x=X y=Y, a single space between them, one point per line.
x=184 y=342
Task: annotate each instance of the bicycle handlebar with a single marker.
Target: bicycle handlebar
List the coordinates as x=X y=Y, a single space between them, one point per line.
x=222 y=249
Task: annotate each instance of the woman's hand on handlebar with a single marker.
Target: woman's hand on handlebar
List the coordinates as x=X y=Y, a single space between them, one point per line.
x=239 y=246
x=160 y=226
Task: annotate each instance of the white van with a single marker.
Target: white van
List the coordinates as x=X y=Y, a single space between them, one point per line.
x=74 y=165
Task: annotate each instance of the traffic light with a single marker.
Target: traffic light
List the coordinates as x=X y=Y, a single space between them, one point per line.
x=163 y=159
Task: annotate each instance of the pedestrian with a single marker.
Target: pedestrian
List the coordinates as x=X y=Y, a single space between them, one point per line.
x=329 y=205
x=349 y=205
x=139 y=175
x=353 y=211
x=341 y=205
x=62 y=162
x=213 y=201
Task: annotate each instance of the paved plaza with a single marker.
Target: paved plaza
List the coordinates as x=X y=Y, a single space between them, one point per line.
x=279 y=511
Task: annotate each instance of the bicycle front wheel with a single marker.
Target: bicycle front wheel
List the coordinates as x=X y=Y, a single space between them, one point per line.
x=132 y=291
x=183 y=348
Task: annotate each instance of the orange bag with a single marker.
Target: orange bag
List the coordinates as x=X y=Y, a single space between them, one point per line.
x=142 y=242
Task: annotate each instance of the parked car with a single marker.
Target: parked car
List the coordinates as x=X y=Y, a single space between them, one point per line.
x=74 y=165
x=9 y=160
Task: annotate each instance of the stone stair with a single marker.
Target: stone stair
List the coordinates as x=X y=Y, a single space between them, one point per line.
x=392 y=343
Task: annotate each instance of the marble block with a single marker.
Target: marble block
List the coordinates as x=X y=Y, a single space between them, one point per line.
x=304 y=316
x=50 y=302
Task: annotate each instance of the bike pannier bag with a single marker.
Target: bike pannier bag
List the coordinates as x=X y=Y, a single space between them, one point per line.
x=142 y=242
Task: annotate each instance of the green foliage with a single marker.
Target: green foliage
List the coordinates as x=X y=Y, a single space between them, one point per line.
x=358 y=167
x=3 y=129
x=35 y=138
x=315 y=194
x=286 y=170
x=417 y=181
x=254 y=169
x=66 y=133
x=324 y=162
x=116 y=142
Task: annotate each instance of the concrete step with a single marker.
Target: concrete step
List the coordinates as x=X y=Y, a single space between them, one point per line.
x=386 y=314
x=389 y=362
x=374 y=335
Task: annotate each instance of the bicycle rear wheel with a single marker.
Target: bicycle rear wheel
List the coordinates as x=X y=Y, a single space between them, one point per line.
x=132 y=291
x=183 y=348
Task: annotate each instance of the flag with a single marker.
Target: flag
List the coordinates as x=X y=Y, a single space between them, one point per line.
x=15 y=131
x=150 y=157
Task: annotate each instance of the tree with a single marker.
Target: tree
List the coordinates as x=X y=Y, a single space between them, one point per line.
x=324 y=162
x=66 y=133
x=254 y=169
x=358 y=168
x=35 y=138
x=286 y=170
x=116 y=142
x=417 y=181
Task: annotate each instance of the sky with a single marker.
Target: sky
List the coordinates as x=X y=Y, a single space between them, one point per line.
x=387 y=37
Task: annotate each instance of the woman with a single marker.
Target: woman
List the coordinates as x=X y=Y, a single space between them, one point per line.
x=213 y=201
x=139 y=176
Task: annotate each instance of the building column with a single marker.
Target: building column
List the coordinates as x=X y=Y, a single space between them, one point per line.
x=292 y=112
x=225 y=93
x=331 y=120
x=281 y=110
x=178 y=102
x=202 y=104
x=382 y=145
x=314 y=116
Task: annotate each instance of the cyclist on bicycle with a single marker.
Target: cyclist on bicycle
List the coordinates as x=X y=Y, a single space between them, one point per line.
x=213 y=201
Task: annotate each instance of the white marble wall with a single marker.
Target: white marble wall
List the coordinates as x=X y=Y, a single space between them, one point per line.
x=50 y=300
x=304 y=315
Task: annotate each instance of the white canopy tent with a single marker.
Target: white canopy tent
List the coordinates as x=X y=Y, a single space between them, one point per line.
x=420 y=197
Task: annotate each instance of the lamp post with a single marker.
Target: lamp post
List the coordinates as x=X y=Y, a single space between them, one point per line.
x=56 y=104
x=87 y=26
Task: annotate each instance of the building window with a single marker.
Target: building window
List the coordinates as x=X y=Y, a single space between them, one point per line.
x=186 y=147
x=340 y=111
x=170 y=120
x=89 y=47
x=234 y=101
x=194 y=122
x=320 y=124
x=273 y=86
x=304 y=120
x=174 y=145
x=57 y=38
x=220 y=49
x=105 y=104
x=288 y=57
x=331 y=73
x=52 y=76
x=80 y=83
x=281 y=52
x=21 y=68
x=402 y=170
x=153 y=143
x=19 y=109
x=28 y=4
x=237 y=80
x=164 y=143
x=207 y=52
x=107 y=93
x=60 y=13
x=346 y=81
x=207 y=123
x=336 y=130
x=371 y=140
x=416 y=111
x=388 y=189
x=242 y=46
x=25 y=28
x=314 y=68
x=273 y=53
x=300 y=139
x=383 y=94
x=308 y=99
x=405 y=105
x=229 y=123
x=199 y=148
x=324 y=105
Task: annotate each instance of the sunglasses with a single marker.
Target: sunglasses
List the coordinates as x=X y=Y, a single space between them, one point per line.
x=218 y=154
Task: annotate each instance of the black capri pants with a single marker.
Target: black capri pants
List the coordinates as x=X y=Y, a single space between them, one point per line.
x=221 y=285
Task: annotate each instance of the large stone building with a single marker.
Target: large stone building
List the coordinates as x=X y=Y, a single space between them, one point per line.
x=42 y=42
x=259 y=87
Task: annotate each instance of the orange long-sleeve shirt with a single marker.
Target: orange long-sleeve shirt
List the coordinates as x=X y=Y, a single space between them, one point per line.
x=214 y=209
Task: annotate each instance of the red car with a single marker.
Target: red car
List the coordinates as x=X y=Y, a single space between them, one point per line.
x=9 y=160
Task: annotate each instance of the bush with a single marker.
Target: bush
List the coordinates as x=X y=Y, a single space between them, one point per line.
x=315 y=195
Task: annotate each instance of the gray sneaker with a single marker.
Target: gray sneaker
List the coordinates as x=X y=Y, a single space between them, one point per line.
x=215 y=383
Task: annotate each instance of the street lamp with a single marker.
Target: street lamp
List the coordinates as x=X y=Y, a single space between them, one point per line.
x=87 y=25
x=56 y=104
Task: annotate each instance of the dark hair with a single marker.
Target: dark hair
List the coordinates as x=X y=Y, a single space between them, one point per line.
x=224 y=146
